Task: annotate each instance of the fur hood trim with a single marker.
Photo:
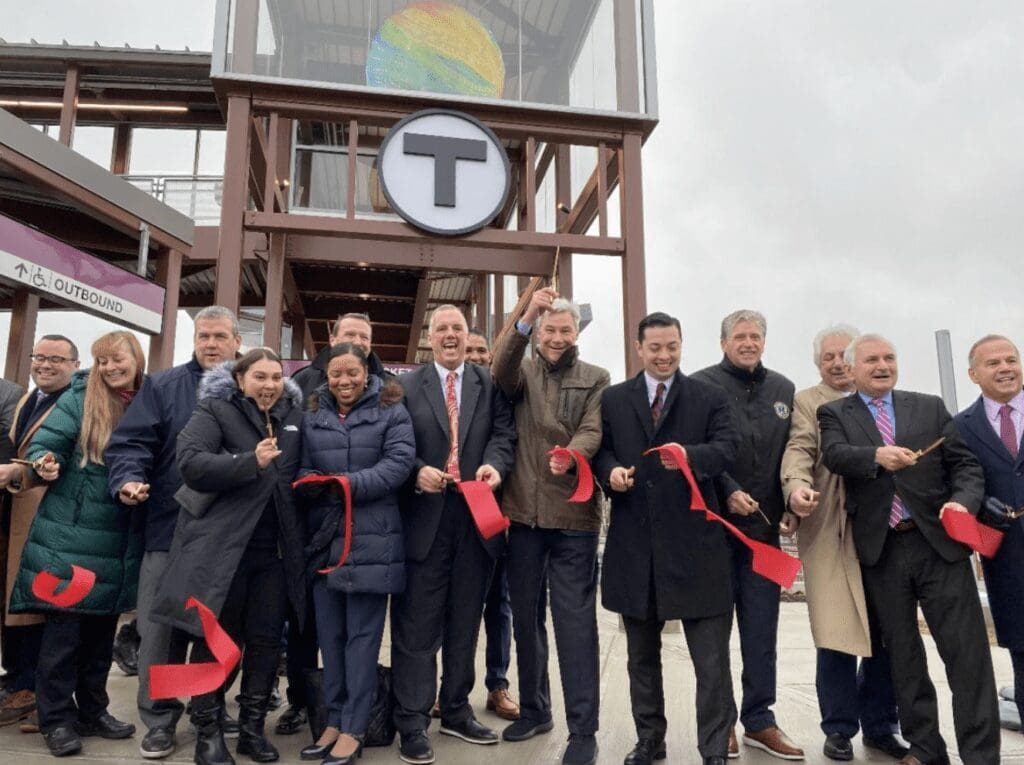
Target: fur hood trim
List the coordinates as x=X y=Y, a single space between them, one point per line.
x=219 y=383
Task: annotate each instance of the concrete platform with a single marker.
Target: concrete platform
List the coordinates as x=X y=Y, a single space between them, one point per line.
x=796 y=710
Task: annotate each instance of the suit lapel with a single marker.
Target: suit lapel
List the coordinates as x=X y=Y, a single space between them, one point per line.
x=435 y=397
x=977 y=422
x=470 y=396
x=903 y=407
x=859 y=411
x=638 y=396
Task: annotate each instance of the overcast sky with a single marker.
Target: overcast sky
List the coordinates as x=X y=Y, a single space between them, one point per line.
x=818 y=160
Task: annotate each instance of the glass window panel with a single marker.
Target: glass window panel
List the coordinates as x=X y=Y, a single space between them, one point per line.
x=320 y=182
x=212 y=144
x=162 y=151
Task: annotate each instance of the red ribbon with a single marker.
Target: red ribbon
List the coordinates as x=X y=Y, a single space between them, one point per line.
x=346 y=490
x=770 y=562
x=45 y=584
x=964 y=527
x=169 y=681
x=584 y=476
x=484 y=508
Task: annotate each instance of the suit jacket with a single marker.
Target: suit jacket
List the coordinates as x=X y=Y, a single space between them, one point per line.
x=1004 y=480
x=486 y=437
x=653 y=530
x=835 y=592
x=949 y=473
x=10 y=393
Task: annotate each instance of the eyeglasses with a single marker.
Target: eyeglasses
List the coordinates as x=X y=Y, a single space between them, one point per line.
x=39 y=358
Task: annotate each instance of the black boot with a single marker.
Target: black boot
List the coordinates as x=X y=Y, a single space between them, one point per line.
x=210 y=746
x=316 y=705
x=252 y=711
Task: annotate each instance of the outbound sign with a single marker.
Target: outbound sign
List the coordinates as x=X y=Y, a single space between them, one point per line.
x=32 y=260
x=444 y=172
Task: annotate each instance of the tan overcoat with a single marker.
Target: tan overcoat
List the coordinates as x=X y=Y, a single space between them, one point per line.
x=835 y=592
x=23 y=511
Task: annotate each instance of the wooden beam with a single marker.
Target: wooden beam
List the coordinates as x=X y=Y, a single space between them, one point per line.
x=120 y=151
x=524 y=299
x=563 y=192
x=228 y=278
x=69 y=105
x=634 y=284
x=24 y=313
x=168 y=276
x=528 y=189
x=275 y=293
x=419 y=313
x=352 y=169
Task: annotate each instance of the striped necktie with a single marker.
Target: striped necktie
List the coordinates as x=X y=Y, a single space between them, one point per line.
x=659 y=402
x=885 y=429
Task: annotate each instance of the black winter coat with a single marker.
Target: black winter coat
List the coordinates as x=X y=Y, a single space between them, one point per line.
x=216 y=454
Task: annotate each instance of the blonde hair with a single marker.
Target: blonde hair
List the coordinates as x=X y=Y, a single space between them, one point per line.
x=103 y=407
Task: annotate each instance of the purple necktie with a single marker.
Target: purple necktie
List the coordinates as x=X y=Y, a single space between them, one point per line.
x=659 y=402
x=884 y=425
x=1008 y=433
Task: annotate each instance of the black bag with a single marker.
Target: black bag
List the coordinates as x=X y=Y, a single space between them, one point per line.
x=381 y=729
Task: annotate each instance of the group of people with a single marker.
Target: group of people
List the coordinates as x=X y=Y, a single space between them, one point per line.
x=182 y=485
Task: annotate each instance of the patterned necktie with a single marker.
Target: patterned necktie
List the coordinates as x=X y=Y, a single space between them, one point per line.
x=1007 y=432
x=659 y=402
x=452 y=403
x=884 y=425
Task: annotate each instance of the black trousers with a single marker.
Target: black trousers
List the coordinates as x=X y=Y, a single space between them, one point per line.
x=566 y=564
x=910 y=573
x=301 y=652
x=21 y=656
x=74 y=659
x=253 y=615
x=708 y=643
x=444 y=596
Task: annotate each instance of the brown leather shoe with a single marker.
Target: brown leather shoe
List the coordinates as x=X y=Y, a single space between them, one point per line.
x=500 y=702
x=16 y=707
x=775 y=742
x=734 y=746
x=30 y=724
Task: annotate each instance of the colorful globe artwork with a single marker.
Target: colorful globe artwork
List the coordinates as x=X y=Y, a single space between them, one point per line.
x=436 y=47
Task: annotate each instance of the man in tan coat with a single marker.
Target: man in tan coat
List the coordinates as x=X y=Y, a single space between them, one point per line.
x=849 y=698
x=54 y=360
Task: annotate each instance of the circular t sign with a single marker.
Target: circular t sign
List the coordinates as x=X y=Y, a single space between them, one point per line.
x=444 y=171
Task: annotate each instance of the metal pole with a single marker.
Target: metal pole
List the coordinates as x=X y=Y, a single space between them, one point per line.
x=143 y=263
x=947 y=379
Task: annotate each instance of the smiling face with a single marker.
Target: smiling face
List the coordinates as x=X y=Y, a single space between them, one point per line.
x=835 y=372
x=47 y=375
x=215 y=341
x=874 y=368
x=355 y=331
x=660 y=351
x=997 y=370
x=118 y=369
x=476 y=350
x=745 y=345
x=557 y=334
x=346 y=378
x=263 y=382
x=448 y=334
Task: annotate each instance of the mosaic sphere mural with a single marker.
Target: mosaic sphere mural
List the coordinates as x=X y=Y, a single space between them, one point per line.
x=436 y=47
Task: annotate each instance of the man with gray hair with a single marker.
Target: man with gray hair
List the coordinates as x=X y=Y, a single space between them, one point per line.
x=142 y=469
x=752 y=492
x=557 y=401
x=841 y=624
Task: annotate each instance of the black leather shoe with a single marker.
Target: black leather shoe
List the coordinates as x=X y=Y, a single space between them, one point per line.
x=63 y=741
x=105 y=726
x=892 y=745
x=157 y=743
x=415 y=749
x=524 y=728
x=347 y=759
x=470 y=730
x=838 y=747
x=582 y=750
x=291 y=721
x=315 y=751
x=645 y=752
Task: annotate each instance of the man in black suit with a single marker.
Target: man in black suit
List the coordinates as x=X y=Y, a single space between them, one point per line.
x=448 y=565
x=895 y=495
x=663 y=561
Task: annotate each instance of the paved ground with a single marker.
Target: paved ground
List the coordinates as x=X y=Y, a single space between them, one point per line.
x=796 y=710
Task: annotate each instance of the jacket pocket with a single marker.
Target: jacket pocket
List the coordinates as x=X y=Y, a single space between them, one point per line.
x=572 y=402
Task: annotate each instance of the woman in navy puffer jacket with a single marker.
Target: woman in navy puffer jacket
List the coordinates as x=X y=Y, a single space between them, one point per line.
x=352 y=430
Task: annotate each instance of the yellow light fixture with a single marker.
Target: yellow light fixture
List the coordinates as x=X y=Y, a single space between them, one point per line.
x=97 y=106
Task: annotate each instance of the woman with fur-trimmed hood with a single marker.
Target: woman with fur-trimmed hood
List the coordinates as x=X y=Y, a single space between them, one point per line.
x=238 y=543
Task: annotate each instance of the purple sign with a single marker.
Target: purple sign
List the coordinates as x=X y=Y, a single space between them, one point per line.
x=31 y=259
x=291 y=366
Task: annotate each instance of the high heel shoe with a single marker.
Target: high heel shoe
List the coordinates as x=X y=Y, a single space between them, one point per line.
x=347 y=759
x=316 y=751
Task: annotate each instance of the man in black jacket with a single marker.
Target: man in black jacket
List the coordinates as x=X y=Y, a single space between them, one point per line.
x=143 y=470
x=662 y=560
x=752 y=493
x=352 y=328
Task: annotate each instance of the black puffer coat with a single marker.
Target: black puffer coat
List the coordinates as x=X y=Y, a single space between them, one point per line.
x=216 y=454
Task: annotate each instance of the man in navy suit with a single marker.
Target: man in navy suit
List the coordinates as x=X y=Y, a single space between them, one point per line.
x=876 y=440
x=449 y=565
x=992 y=427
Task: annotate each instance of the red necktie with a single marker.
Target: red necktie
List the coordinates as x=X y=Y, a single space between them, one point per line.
x=659 y=402
x=452 y=466
x=1008 y=433
x=884 y=425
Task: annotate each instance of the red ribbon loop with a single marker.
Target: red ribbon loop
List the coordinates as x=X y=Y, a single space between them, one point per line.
x=44 y=587
x=584 y=476
x=964 y=527
x=346 y=490
x=169 y=681
x=484 y=508
x=770 y=562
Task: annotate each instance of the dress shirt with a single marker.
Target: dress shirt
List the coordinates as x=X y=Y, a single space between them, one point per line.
x=442 y=373
x=1016 y=413
x=886 y=402
x=652 y=387
x=523 y=328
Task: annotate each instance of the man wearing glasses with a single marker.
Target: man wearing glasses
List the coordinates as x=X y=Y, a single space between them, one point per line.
x=54 y=360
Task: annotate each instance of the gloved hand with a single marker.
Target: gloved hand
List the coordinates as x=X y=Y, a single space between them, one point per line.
x=995 y=513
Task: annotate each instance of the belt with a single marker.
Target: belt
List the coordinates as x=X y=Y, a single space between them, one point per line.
x=907 y=524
